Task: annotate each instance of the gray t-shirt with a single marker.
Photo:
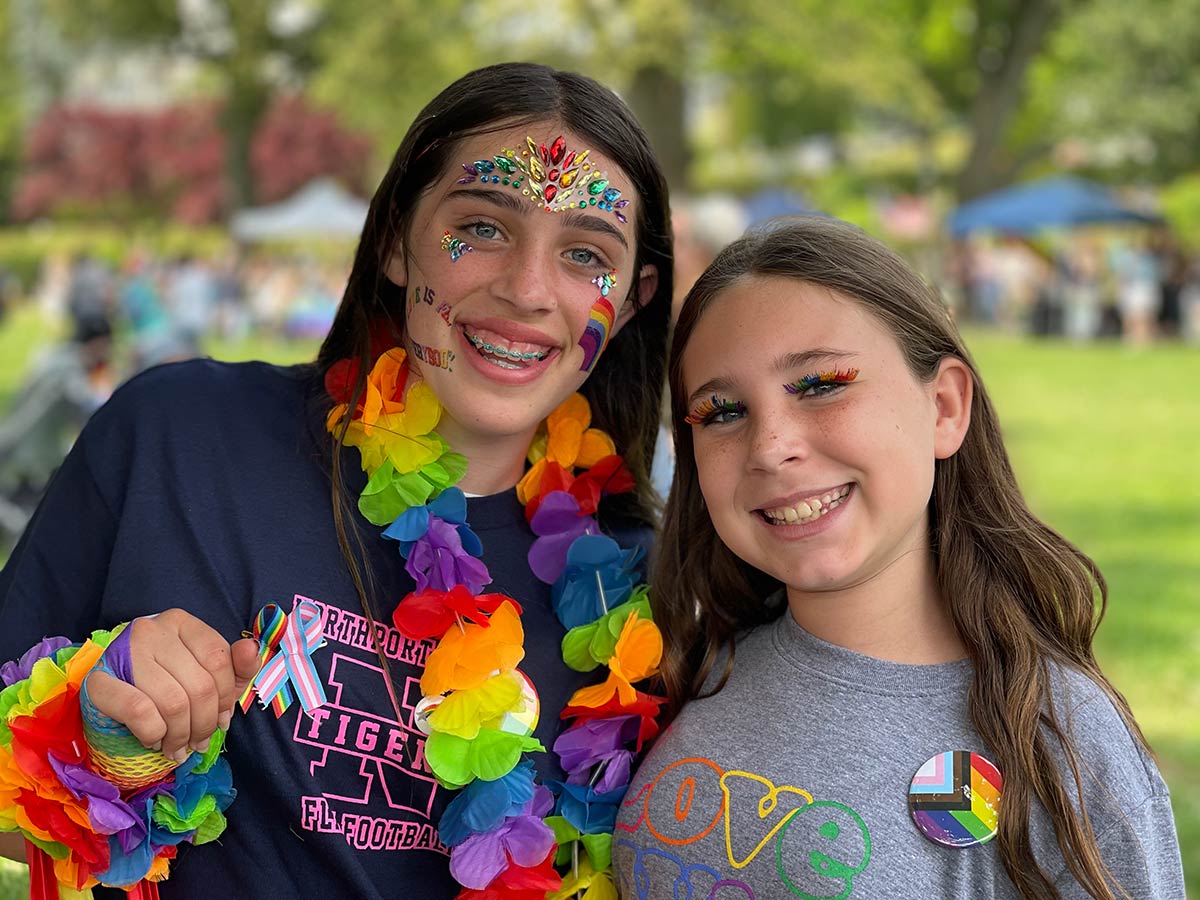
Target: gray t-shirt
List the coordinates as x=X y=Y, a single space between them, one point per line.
x=793 y=782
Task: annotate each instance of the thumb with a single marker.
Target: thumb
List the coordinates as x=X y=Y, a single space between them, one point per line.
x=244 y=654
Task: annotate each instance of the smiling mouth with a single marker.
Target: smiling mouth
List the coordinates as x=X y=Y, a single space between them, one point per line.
x=805 y=511
x=504 y=353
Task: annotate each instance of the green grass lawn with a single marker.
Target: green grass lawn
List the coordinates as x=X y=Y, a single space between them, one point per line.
x=1106 y=444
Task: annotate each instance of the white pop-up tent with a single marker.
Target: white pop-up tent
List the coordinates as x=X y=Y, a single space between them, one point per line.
x=322 y=208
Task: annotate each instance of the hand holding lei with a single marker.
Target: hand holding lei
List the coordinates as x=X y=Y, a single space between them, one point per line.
x=94 y=806
x=506 y=832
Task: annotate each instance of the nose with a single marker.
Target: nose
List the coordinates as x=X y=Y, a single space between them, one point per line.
x=526 y=279
x=777 y=440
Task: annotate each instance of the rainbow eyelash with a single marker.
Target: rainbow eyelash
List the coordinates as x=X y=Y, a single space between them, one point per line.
x=713 y=404
x=834 y=377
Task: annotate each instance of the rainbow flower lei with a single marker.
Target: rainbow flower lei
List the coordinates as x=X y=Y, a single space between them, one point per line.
x=93 y=805
x=506 y=832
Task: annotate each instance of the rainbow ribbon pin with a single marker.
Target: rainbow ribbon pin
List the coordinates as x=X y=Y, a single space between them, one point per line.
x=268 y=630
x=292 y=667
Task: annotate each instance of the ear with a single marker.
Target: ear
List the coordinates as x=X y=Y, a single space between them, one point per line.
x=646 y=285
x=952 y=391
x=396 y=270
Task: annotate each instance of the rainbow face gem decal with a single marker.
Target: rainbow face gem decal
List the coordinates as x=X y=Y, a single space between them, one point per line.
x=843 y=376
x=553 y=177
x=606 y=282
x=456 y=247
x=600 y=322
x=706 y=409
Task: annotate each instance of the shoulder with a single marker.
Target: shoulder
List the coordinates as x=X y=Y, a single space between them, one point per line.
x=176 y=388
x=1102 y=738
x=190 y=419
x=202 y=398
x=1127 y=802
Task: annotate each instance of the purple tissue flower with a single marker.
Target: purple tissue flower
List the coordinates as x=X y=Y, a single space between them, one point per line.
x=437 y=559
x=108 y=813
x=557 y=523
x=18 y=670
x=440 y=546
x=477 y=861
x=599 y=741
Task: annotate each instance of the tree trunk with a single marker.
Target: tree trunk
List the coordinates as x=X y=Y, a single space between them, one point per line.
x=1000 y=94
x=247 y=92
x=244 y=107
x=657 y=96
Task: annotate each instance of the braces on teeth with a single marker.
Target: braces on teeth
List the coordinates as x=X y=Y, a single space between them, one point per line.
x=500 y=351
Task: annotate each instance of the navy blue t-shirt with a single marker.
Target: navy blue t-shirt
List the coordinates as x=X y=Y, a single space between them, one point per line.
x=206 y=486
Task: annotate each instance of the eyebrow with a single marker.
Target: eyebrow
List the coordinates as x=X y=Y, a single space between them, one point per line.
x=518 y=204
x=781 y=364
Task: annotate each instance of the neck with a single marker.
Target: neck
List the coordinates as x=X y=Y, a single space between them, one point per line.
x=494 y=462
x=897 y=615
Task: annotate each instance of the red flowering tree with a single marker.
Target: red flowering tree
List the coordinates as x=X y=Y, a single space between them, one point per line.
x=91 y=162
x=295 y=143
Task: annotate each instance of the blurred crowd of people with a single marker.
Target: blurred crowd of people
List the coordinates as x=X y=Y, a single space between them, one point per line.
x=1136 y=286
x=181 y=301
x=118 y=321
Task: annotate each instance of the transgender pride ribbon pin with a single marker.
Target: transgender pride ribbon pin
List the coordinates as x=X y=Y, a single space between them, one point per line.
x=955 y=799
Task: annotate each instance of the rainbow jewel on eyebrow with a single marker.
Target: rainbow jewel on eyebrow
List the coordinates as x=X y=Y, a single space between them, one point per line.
x=713 y=404
x=842 y=376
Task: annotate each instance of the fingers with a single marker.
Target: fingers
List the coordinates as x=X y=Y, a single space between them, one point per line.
x=185 y=683
x=211 y=652
x=128 y=705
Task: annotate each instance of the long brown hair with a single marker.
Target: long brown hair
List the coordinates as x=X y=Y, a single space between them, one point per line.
x=625 y=388
x=1023 y=599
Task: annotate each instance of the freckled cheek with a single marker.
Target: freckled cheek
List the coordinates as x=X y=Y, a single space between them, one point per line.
x=717 y=466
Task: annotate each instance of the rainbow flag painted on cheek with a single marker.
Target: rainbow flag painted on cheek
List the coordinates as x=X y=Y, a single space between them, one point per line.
x=595 y=336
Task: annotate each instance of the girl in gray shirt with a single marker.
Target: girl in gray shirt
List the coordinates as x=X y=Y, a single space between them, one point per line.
x=886 y=658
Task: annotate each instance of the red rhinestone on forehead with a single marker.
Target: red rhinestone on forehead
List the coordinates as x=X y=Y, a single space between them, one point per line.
x=552 y=177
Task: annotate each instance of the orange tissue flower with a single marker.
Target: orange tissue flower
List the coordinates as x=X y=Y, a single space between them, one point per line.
x=637 y=655
x=568 y=441
x=466 y=657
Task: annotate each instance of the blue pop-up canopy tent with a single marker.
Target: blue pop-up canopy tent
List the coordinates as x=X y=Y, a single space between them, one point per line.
x=1049 y=203
x=774 y=203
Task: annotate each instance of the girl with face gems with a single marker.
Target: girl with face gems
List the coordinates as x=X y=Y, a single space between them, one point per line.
x=878 y=661
x=432 y=537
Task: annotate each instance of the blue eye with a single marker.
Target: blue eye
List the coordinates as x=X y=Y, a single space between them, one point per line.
x=584 y=257
x=821 y=384
x=715 y=411
x=821 y=390
x=483 y=230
